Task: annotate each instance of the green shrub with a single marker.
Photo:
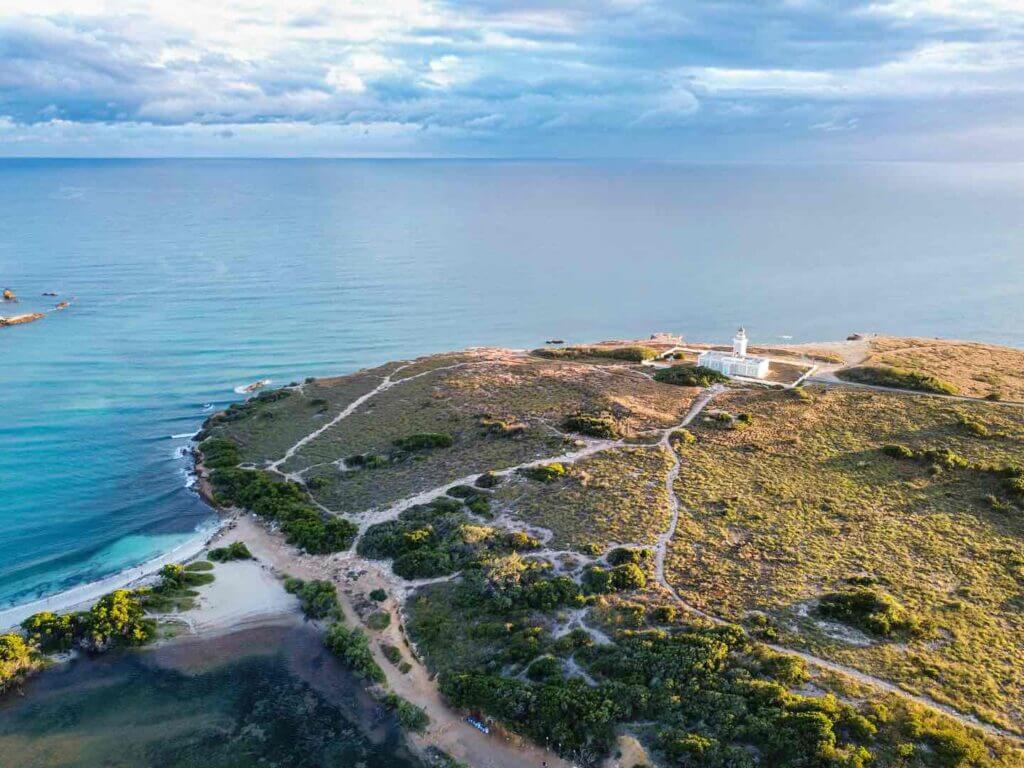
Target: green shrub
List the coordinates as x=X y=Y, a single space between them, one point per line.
x=462 y=491
x=689 y=376
x=597 y=580
x=897 y=378
x=286 y=502
x=601 y=425
x=628 y=576
x=897 y=451
x=623 y=555
x=353 y=648
x=632 y=354
x=488 y=480
x=411 y=717
x=423 y=441
x=378 y=620
x=392 y=653
x=16 y=660
x=117 y=619
x=545 y=668
x=378 y=595
x=684 y=436
x=479 y=505
x=236 y=550
x=366 y=461
x=318 y=599
x=52 y=632
x=545 y=473
x=664 y=614
x=871 y=610
x=219 y=453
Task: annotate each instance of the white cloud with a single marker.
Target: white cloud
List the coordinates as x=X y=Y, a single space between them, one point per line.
x=933 y=70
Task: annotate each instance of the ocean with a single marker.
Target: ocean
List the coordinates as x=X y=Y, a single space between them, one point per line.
x=190 y=278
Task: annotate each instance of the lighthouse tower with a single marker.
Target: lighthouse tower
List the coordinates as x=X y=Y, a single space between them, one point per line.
x=739 y=343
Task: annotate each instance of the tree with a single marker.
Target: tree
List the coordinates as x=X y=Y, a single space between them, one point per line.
x=16 y=660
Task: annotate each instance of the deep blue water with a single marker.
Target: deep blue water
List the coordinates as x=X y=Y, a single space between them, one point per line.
x=192 y=277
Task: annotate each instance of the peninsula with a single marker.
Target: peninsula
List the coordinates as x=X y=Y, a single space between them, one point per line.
x=607 y=553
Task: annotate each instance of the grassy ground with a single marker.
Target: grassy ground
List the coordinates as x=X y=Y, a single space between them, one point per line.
x=976 y=370
x=499 y=412
x=784 y=509
x=615 y=496
x=264 y=431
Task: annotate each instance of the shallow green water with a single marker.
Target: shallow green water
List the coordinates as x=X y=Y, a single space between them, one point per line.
x=247 y=700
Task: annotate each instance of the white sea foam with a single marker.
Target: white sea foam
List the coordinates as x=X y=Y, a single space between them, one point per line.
x=248 y=389
x=183 y=435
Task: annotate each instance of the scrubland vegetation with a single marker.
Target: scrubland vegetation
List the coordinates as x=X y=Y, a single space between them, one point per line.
x=690 y=376
x=976 y=370
x=631 y=354
x=881 y=531
x=285 y=503
x=843 y=489
x=899 y=378
x=612 y=497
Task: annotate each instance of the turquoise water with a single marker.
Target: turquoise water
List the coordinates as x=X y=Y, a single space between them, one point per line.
x=192 y=277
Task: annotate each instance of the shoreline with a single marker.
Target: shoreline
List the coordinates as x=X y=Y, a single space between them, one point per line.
x=88 y=593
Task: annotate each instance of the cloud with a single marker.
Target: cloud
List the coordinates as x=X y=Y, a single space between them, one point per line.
x=498 y=77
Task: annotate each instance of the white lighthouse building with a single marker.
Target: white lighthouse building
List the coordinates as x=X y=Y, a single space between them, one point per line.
x=737 y=362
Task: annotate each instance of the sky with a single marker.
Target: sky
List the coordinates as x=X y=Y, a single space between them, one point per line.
x=715 y=81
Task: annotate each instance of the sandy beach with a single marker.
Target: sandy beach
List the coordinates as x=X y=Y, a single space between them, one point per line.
x=259 y=591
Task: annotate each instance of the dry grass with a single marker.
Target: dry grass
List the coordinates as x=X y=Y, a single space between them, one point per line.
x=484 y=386
x=785 y=509
x=614 y=497
x=265 y=434
x=976 y=370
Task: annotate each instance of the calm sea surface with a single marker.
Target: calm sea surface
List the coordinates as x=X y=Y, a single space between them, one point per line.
x=190 y=278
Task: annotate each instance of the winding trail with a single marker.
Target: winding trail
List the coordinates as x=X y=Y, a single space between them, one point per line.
x=816 y=661
x=592 y=447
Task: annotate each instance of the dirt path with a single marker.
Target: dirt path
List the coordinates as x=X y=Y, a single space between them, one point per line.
x=852 y=673
x=354 y=579
x=449 y=731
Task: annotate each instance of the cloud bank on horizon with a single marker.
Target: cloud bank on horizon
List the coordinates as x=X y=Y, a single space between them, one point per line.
x=692 y=80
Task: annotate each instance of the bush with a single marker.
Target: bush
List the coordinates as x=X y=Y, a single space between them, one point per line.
x=392 y=653
x=16 y=660
x=234 y=551
x=411 y=717
x=602 y=425
x=623 y=555
x=378 y=620
x=544 y=669
x=219 y=453
x=378 y=595
x=664 y=614
x=871 y=610
x=318 y=599
x=897 y=451
x=488 y=480
x=628 y=576
x=897 y=378
x=116 y=619
x=597 y=580
x=462 y=491
x=684 y=436
x=479 y=505
x=690 y=376
x=545 y=473
x=52 y=632
x=423 y=441
x=632 y=354
x=286 y=502
x=353 y=648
